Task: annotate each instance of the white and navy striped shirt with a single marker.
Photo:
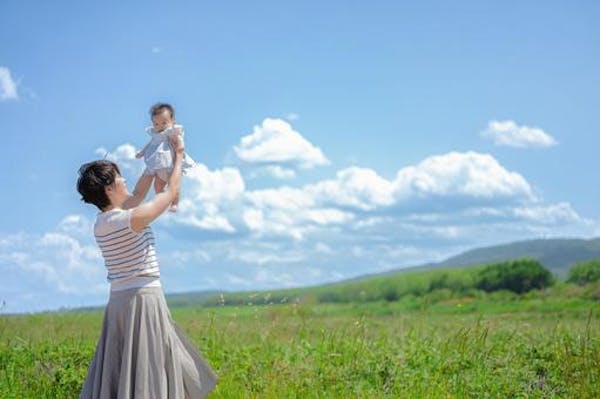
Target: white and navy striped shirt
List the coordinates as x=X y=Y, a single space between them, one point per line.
x=129 y=257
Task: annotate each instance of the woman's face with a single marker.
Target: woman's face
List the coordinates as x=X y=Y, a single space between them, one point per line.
x=119 y=191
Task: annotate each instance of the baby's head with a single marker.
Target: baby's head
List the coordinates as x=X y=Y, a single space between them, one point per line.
x=163 y=116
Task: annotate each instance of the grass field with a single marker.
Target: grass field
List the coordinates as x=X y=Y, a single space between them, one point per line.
x=535 y=347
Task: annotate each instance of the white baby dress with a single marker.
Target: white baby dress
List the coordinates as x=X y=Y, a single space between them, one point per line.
x=159 y=155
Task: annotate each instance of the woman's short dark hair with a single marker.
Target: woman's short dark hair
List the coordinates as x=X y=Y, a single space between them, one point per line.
x=93 y=178
x=159 y=107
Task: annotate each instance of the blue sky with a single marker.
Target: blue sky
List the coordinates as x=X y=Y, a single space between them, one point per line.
x=333 y=139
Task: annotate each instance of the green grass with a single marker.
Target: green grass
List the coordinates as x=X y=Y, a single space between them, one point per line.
x=473 y=347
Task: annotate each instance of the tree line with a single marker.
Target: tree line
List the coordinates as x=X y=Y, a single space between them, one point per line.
x=518 y=276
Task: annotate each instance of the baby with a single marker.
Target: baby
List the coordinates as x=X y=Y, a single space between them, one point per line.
x=158 y=153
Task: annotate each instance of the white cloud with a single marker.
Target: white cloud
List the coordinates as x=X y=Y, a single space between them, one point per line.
x=210 y=198
x=76 y=225
x=326 y=216
x=355 y=222
x=202 y=215
x=216 y=222
x=323 y=248
x=156 y=49
x=508 y=133
x=469 y=174
x=370 y=222
x=359 y=200
x=209 y=222
x=355 y=187
x=274 y=142
x=261 y=257
x=292 y=116
x=275 y=222
x=56 y=259
x=225 y=184
x=274 y=171
x=254 y=219
x=278 y=172
x=549 y=214
x=8 y=87
x=124 y=157
x=289 y=212
x=478 y=180
x=287 y=198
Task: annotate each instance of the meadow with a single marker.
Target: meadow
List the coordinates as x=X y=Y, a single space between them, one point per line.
x=494 y=346
x=444 y=333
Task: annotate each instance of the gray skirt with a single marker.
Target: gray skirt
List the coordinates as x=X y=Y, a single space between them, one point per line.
x=143 y=354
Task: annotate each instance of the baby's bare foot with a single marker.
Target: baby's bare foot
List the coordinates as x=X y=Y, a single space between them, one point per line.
x=173 y=208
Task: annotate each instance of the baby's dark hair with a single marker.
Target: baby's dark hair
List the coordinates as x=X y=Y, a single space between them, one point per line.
x=159 y=107
x=93 y=178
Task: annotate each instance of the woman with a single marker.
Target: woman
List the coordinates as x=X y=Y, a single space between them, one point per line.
x=141 y=352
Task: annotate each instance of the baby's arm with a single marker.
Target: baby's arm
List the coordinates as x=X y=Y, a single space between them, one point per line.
x=143 y=151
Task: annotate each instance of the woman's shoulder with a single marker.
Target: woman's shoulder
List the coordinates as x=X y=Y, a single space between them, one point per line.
x=110 y=221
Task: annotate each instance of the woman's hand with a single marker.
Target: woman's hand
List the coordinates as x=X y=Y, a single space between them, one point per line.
x=177 y=143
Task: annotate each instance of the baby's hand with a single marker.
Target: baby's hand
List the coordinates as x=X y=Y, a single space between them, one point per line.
x=139 y=154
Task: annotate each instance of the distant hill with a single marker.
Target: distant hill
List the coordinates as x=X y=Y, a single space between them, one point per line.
x=558 y=255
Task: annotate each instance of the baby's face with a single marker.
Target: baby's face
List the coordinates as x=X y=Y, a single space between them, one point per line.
x=162 y=120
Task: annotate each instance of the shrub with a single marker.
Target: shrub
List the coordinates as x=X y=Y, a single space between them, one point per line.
x=593 y=291
x=583 y=273
x=331 y=297
x=438 y=295
x=390 y=294
x=518 y=276
x=438 y=281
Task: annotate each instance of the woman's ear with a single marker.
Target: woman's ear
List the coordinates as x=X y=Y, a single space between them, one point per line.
x=109 y=189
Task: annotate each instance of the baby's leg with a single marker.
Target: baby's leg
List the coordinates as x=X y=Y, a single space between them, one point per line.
x=159 y=185
x=142 y=187
x=161 y=177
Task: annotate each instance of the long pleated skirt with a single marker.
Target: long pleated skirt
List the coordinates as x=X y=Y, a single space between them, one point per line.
x=142 y=354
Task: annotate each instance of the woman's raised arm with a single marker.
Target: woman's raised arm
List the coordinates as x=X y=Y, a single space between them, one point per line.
x=143 y=215
x=139 y=192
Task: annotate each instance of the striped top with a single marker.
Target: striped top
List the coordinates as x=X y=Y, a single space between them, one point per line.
x=130 y=257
